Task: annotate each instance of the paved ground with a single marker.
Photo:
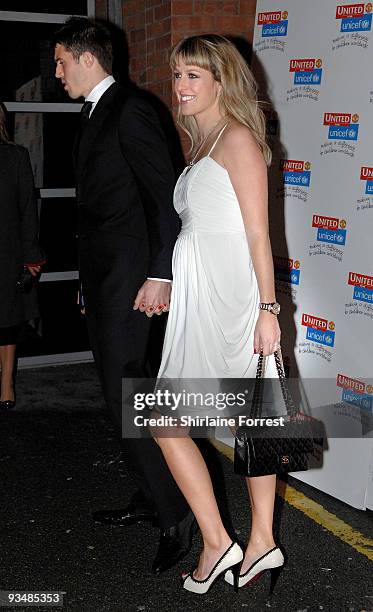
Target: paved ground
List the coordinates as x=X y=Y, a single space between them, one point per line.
x=60 y=459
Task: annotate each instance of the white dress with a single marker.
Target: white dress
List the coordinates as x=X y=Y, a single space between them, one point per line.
x=215 y=298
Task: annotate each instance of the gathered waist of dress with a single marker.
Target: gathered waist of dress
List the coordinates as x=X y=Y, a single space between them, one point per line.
x=225 y=231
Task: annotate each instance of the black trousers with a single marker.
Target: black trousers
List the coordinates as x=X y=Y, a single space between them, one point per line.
x=119 y=342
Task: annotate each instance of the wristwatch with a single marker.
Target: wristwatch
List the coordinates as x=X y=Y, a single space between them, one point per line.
x=273 y=307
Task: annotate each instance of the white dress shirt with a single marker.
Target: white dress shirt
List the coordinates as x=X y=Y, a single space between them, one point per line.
x=99 y=91
x=94 y=97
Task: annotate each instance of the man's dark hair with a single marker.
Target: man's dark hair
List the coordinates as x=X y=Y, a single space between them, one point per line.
x=79 y=34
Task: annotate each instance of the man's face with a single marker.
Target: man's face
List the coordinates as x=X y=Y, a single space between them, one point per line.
x=73 y=73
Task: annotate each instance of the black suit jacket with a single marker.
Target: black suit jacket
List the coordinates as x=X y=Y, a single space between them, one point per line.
x=125 y=182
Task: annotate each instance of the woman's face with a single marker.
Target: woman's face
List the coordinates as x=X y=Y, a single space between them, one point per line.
x=195 y=88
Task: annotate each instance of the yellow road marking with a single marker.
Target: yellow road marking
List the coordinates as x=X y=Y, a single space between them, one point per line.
x=315 y=511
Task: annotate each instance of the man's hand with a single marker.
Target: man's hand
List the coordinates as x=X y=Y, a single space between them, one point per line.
x=153 y=298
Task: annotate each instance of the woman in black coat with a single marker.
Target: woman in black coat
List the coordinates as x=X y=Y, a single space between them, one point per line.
x=19 y=253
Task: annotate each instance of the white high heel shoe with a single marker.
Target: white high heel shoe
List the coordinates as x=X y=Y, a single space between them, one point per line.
x=272 y=560
x=231 y=560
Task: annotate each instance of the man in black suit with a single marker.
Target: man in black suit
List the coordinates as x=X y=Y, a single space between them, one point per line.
x=127 y=229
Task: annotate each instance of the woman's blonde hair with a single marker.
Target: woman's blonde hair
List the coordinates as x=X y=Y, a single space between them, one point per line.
x=4 y=137
x=238 y=98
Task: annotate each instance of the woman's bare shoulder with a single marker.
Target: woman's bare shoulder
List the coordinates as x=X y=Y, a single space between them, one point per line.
x=238 y=139
x=236 y=132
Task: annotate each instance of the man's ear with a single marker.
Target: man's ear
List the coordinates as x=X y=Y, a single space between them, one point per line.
x=87 y=59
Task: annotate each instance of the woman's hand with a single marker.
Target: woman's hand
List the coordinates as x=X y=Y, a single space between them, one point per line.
x=153 y=297
x=34 y=269
x=267 y=333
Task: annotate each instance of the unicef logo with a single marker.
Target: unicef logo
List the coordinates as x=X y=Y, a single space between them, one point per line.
x=328 y=339
x=365 y=24
x=351 y=134
x=304 y=180
x=294 y=278
x=315 y=78
x=282 y=29
x=339 y=238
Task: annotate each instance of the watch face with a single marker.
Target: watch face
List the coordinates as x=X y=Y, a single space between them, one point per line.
x=276 y=308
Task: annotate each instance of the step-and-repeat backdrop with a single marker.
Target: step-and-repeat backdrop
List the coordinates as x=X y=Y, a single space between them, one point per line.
x=314 y=64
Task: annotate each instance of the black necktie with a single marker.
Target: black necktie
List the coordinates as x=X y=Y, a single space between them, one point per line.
x=84 y=114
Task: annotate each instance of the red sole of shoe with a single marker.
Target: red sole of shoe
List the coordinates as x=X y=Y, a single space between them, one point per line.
x=256 y=577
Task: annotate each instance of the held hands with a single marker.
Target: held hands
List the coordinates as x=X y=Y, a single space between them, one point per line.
x=153 y=298
x=34 y=270
x=267 y=333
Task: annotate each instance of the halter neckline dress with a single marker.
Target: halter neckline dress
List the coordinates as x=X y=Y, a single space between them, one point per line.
x=215 y=296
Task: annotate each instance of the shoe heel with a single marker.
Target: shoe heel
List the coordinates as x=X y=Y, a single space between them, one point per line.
x=235 y=569
x=275 y=573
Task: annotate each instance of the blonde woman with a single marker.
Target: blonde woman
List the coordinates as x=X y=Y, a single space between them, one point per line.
x=223 y=307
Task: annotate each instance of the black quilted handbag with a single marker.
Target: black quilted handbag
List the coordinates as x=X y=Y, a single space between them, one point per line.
x=261 y=450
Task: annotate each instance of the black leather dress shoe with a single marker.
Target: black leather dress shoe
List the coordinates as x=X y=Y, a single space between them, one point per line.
x=7 y=404
x=125 y=517
x=174 y=543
